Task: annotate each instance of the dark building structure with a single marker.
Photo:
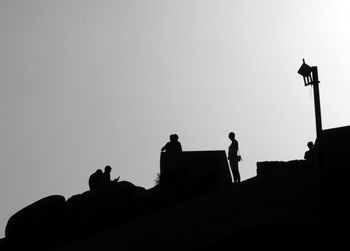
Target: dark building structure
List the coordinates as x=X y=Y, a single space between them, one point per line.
x=336 y=153
x=206 y=169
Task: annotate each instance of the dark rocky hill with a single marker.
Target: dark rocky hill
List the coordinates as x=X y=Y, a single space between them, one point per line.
x=257 y=212
x=287 y=206
x=281 y=214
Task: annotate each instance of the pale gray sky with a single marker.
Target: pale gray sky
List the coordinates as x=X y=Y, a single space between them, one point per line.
x=90 y=83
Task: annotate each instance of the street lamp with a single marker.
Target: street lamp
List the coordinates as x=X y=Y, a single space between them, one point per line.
x=310 y=76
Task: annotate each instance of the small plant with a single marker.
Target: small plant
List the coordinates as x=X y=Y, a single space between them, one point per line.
x=157 y=180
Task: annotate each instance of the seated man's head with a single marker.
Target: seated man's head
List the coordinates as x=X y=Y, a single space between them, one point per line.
x=174 y=137
x=310 y=145
x=108 y=169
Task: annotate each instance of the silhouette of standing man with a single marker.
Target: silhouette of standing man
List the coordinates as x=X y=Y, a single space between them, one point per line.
x=233 y=158
x=173 y=146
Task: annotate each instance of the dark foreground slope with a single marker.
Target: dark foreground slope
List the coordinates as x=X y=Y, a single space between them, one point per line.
x=262 y=212
x=285 y=207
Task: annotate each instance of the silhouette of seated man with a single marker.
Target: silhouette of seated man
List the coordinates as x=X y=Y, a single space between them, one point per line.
x=173 y=146
x=106 y=177
x=310 y=154
x=95 y=180
x=101 y=179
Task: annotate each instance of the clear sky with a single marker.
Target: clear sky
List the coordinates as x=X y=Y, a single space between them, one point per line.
x=88 y=83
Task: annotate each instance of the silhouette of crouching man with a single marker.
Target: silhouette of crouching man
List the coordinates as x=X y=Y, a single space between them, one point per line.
x=310 y=154
x=95 y=179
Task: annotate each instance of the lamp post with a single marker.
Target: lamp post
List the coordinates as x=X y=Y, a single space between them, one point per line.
x=310 y=76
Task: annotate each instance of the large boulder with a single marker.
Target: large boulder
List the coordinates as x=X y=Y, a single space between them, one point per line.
x=94 y=211
x=85 y=214
x=4 y=244
x=37 y=224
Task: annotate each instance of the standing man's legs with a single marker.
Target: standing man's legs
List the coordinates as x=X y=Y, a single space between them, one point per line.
x=235 y=171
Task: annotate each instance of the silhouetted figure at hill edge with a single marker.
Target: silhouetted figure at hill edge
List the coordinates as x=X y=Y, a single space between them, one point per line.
x=101 y=179
x=309 y=154
x=95 y=180
x=234 y=158
x=106 y=176
x=173 y=146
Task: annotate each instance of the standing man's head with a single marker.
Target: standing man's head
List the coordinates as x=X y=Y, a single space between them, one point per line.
x=174 y=138
x=231 y=136
x=108 y=169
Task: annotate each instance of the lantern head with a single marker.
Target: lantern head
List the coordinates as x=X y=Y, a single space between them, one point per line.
x=307 y=72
